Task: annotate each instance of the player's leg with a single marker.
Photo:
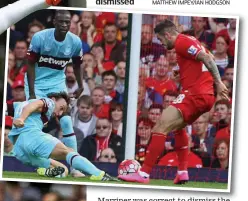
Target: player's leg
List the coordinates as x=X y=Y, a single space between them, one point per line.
x=182 y=150
x=20 y=9
x=170 y=120
x=61 y=152
x=69 y=137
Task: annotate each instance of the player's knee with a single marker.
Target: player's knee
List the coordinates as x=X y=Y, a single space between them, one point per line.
x=164 y=126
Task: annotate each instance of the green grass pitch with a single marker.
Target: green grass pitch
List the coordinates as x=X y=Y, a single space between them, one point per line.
x=155 y=182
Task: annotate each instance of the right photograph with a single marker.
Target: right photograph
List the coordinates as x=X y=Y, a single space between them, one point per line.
x=185 y=101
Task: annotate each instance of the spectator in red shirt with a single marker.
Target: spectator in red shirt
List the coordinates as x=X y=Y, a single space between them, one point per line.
x=113 y=49
x=100 y=108
x=109 y=80
x=122 y=23
x=224 y=133
x=87 y=27
x=221 y=154
x=19 y=68
x=230 y=34
x=101 y=64
x=144 y=127
x=198 y=31
x=222 y=108
x=18 y=91
x=171 y=158
x=116 y=117
x=150 y=51
x=220 y=54
x=169 y=97
x=155 y=112
x=160 y=83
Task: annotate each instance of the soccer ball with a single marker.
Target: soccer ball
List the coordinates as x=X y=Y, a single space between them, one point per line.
x=128 y=166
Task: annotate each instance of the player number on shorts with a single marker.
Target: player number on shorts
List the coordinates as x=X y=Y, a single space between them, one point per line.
x=179 y=99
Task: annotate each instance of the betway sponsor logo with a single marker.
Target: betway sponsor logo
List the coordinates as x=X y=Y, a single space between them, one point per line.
x=54 y=62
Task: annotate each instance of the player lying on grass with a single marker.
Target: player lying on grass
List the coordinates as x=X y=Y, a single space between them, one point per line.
x=12 y=13
x=33 y=147
x=198 y=74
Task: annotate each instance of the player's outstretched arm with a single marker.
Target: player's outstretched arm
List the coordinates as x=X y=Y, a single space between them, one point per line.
x=30 y=108
x=210 y=64
x=13 y=13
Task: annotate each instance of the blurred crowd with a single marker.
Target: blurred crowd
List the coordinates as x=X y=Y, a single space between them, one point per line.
x=159 y=85
x=17 y=191
x=98 y=114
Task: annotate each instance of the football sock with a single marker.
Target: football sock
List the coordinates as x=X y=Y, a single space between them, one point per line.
x=14 y=12
x=155 y=149
x=182 y=149
x=69 y=137
x=83 y=164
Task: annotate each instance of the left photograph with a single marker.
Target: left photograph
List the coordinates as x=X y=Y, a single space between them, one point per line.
x=19 y=191
x=66 y=79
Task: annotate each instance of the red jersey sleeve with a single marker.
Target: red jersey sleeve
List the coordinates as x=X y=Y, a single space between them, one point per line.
x=187 y=46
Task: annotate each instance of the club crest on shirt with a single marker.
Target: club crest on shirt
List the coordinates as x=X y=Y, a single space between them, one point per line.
x=192 y=50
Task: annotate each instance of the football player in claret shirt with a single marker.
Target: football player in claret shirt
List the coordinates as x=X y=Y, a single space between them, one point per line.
x=198 y=74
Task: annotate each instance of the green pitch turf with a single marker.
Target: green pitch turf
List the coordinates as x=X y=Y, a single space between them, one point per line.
x=155 y=182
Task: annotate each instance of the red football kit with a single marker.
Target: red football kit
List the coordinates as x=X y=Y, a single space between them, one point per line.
x=197 y=96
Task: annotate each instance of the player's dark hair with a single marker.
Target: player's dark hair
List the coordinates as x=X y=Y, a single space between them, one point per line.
x=87 y=100
x=62 y=12
x=60 y=95
x=165 y=26
x=109 y=73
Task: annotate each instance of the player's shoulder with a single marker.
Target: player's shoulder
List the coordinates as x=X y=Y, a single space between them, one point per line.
x=44 y=33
